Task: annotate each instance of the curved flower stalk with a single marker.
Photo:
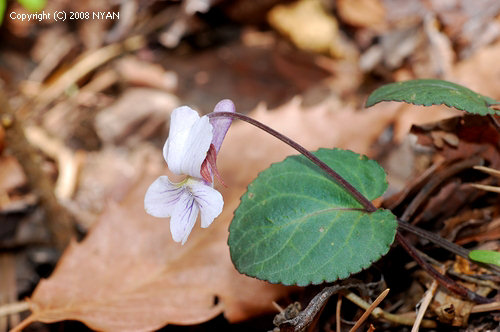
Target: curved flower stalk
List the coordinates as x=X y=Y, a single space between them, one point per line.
x=191 y=150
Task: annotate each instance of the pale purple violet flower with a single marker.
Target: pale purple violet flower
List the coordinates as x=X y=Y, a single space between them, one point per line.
x=190 y=150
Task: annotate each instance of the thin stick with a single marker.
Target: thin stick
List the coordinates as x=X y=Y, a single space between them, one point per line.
x=492 y=189
x=67 y=162
x=488 y=170
x=13 y=308
x=368 y=311
x=84 y=65
x=486 y=307
x=337 y=314
x=277 y=307
x=30 y=319
x=379 y=313
x=429 y=294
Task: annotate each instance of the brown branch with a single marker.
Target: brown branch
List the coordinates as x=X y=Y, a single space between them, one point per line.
x=58 y=220
x=306 y=316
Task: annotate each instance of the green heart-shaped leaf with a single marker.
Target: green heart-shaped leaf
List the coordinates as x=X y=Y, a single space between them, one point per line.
x=296 y=226
x=429 y=92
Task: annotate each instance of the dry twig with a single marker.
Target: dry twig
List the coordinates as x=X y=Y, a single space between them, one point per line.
x=429 y=294
x=379 y=313
x=59 y=222
x=368 y=311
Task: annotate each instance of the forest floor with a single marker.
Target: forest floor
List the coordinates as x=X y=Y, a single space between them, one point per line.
x=86 y=99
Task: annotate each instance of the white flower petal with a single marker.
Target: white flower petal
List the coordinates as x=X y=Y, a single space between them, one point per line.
x=188 y=142
x=221 y=125
x=181 y=122
x=182 y=202
x=209 y=201
x=161 y=197
x=183 y=217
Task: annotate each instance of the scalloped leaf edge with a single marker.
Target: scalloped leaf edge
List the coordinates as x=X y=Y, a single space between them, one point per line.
x=360 y=268
x=371 y=100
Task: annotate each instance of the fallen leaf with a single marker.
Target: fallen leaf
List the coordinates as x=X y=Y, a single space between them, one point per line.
x=11 y=174
x=308 y=25
x=453 y=310
x=142 y=73
x=136 y=115
x=328 y=124
x=128 y=275
x=362 y=13
x=481 y=71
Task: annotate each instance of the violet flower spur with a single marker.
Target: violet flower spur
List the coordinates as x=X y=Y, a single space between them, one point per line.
x=190 y=150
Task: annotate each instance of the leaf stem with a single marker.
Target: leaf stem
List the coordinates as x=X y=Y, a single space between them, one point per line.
x=443 y=280
x=365 y=202
x=434 y=238
x=443 y=243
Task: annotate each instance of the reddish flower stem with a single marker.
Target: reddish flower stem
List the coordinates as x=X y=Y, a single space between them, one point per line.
x=365 y=202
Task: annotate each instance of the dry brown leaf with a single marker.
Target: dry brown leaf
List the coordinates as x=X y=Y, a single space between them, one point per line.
x=143 y=73
x=453 y=310
x=128 y=275
x=409 y=115
x=329 y=124
x=11 y=174
x=136 y=115
x=108 y=174
x=307 y=24
x=362 y=13
x=481 y=72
